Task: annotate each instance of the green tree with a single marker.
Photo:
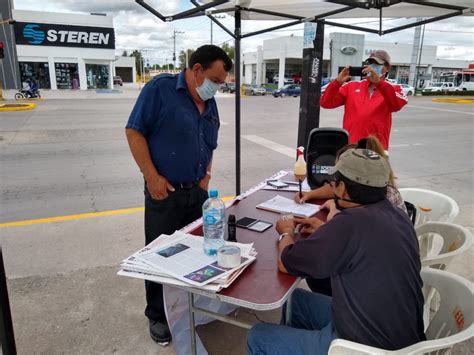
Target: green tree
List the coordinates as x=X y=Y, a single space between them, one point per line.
x=230 y=50
x=124 y=54
x=138 y=60
x=182 y=58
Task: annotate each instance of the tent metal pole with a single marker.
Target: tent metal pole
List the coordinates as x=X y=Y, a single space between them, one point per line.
x=311 y=87
x=351 y=27
x=297 y=22
x=238 y=37
x=432 y=4
x=292 y=23
x=7 y=337
x=195 y=3
x=424 y=22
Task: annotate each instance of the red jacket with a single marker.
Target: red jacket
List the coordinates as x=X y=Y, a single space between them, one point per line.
x=364 y=115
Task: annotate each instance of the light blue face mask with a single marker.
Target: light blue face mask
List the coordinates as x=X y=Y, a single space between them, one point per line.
x=207 y=90
x=377 y=68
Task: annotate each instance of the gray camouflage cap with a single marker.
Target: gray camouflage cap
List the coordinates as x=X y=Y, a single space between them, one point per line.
x=363 y=166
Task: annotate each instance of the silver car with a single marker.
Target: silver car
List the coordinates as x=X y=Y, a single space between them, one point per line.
x=255 y=90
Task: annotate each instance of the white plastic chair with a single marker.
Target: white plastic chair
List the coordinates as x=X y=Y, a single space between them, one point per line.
x=430 y=205
x=452 y=324
x=455 y=241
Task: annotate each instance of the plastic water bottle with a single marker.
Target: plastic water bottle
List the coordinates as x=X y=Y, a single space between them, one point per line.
x=213 y=217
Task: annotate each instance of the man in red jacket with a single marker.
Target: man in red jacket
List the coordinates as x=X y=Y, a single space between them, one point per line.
x=369 y=103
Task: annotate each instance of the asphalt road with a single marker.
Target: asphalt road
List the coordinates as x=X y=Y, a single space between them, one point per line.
x=70 y=156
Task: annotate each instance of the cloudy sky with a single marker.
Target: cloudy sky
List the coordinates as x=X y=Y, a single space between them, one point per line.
x=138 y=29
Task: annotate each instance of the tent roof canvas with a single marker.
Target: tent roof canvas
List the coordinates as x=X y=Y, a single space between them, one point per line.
x=310 y=8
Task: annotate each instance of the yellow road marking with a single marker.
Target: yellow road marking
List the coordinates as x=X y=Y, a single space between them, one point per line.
x=71 y=217
x=80 y=216
x=16 y=107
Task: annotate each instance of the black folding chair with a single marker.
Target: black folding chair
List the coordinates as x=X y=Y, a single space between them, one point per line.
x=7 y=337
x=411 y=211
x=323 y=144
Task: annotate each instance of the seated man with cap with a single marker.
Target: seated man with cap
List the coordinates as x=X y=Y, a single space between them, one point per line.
x=370 y=252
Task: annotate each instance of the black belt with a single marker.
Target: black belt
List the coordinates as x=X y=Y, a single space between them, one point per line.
x=185 y=185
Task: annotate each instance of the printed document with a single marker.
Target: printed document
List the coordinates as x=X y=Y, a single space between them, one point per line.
x=282 y=204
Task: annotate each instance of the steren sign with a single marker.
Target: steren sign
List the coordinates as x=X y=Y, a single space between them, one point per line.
x=41 y=34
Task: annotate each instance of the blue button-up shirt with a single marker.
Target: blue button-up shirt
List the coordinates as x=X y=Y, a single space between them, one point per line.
x=180 y=139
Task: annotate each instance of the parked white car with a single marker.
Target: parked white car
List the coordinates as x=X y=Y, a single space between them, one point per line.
x=286 y=81
x=440 y=87
x=408 y=89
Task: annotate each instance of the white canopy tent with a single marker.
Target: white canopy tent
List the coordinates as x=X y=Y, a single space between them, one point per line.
x=322 y=12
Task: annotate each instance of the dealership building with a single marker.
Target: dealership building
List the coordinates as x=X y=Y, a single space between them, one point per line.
x=283 y=57
x=67 y=51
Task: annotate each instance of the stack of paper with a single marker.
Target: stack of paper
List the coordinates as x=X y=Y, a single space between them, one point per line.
x=179 y=260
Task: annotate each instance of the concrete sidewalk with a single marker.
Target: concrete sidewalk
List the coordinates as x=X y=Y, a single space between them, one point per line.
x=68 y=299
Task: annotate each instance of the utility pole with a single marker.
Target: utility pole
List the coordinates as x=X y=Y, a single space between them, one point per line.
x=175 y=32
x=419 y=59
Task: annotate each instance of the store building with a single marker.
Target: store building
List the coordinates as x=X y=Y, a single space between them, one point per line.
x=125 y=68
x=65 y=51
x=282 y=58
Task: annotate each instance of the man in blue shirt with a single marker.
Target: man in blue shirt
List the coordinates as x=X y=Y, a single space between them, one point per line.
x=172 y=133
x=370 y=252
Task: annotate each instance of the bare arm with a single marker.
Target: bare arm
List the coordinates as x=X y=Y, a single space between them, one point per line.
x=157 y=185
x=321 y=193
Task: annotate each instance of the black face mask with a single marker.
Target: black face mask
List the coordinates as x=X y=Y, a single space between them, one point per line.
x=341 y=208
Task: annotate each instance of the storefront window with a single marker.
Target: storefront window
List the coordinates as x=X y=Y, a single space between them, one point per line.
x=39 y=72
x=67 y=75
x=97 y=76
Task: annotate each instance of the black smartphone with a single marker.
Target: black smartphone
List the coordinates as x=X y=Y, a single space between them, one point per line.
x=260 y=226
x=245 y=222
x=356 y=71
x=277 y=184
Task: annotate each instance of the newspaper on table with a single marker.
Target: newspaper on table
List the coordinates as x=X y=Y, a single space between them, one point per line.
x=179 y=260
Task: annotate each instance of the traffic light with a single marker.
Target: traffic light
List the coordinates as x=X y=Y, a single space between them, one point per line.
x=2 y=55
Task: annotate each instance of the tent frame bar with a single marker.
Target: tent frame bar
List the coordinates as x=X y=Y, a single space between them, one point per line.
x=206 y=10
x=213 y=19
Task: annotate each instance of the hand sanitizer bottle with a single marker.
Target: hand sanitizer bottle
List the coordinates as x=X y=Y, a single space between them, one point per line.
x=300 y=165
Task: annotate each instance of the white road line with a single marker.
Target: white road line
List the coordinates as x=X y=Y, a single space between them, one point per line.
x=404 y=145
x=277 y=147
x=441 y=109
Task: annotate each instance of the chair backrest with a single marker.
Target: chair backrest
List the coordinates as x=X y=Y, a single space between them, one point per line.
x=456 y=240
x=452 y=323
x=411 y=209
x=430 y=205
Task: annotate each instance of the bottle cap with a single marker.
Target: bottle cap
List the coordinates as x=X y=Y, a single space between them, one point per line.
x=231 y=218
x=213 y=193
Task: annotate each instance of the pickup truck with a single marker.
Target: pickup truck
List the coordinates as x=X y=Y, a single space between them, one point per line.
x=440 y=87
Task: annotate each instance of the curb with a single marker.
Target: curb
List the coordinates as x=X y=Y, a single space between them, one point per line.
x=455 y=101
x=32 y=99
x=16 y=107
